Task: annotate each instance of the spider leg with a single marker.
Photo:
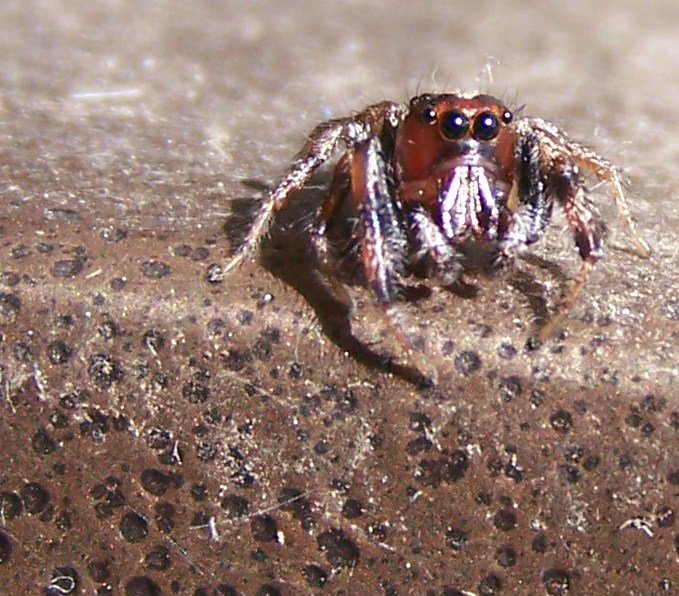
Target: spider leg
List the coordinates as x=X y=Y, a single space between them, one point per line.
x=337 y=194
x=445 y=260
x=587 y=230
x=318 y=149
x=545 y=173
x=534 y=204
x=558 y=143
x=384 y=243
x=606 y=172
x=320 y=146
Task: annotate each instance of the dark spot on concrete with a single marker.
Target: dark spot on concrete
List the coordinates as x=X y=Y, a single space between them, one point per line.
x=539 y=543
x=293 y=500
x=68 y=268
x=506 y=351
x=235 y=506
x=103 y=370
x=557 y=582
x=61 y=214
x=665 y=517
x=44 y=248
x=504 y=520
x=264 y=528
x=35 y=497
x=195 y=392
x=510 y=388
x=561 y=421
x=514 y=471
x=568 y=473
x=42 y=442
x=352 y=509
x=505 y=556
x=134 y=527
x=20 y=251
x=456 y=538
x=591 y=462
x=113 y=234
x=200 y=254
x=64 y=521
x=5 y=548
x=467 y=363
x=295 y=371
x=338 y=548
x=633 y=420
x=99 y=570
x=153 y=269
x=490 y=585
x=156 y=481
x=10 y=305
x=10 y=505
x=198 y=492
x=164 y=516
x=673 y=477
x=183 y=250
x=158 y=558
x=117 y=283
x=449 y=468
x=315 y=575
x=142 y=586
x=58 y=352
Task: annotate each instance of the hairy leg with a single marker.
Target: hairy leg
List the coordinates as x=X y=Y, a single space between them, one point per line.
x=320 y=146
x=384 y=243
x=587 y=231
x=327 y=212
x=557 y=142
x=443 y=258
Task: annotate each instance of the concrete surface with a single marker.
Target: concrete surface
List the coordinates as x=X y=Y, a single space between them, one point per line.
x=162 y=433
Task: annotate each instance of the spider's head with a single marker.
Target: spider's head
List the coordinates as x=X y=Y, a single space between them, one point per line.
x=448 y=131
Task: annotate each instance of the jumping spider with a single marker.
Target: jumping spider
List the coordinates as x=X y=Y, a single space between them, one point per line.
x=428 y=175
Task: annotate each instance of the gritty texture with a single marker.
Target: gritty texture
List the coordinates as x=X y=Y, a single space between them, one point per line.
x=167 y=429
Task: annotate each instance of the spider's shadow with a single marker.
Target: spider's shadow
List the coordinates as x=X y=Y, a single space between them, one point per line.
x=288 y=255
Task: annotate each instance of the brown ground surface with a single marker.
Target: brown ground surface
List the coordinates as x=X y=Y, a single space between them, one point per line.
x=163 y=434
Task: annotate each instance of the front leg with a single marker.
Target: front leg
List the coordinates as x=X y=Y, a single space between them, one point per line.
x=443 y=258
x=320 y=146
x=384 y=243
x=529 y=199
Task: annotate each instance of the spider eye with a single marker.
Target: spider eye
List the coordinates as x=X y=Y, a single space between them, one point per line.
x=454 y=125
x=486 y=127
x=429 y=115
x=507 y=116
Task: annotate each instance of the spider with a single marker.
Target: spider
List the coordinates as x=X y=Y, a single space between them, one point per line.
x=430 y=174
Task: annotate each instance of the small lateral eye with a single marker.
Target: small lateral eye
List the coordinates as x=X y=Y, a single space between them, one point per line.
x=486 y=127
x=454 y=125
x=507 y=116
x=429 y=115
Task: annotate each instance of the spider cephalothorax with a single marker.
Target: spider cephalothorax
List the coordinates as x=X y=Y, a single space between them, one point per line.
x=427 y=175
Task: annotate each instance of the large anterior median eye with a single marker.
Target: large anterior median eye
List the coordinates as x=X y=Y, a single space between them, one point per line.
x=485 y=127
x=454 y=125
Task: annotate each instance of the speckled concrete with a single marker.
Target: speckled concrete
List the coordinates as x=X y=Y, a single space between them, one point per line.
x=163 y=430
